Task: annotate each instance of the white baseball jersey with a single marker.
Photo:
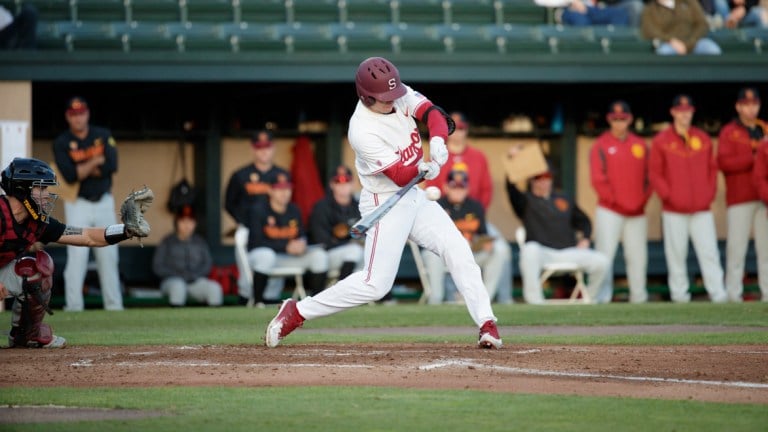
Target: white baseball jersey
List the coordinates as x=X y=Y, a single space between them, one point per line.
x=382 y=140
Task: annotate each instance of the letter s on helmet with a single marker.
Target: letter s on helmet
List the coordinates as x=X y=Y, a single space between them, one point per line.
x=378 y=79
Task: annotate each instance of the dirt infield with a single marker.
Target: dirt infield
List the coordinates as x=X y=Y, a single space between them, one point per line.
x=735 y=374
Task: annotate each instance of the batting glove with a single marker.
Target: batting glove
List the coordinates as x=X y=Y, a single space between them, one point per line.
x=437 y=150
x=431 y=169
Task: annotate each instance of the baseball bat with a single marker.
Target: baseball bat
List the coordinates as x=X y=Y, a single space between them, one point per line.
x=359 y=229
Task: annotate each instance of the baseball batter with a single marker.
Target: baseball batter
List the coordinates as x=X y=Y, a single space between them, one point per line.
x=388 y=154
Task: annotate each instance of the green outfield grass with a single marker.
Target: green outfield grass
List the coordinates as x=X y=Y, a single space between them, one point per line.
x=390 y=409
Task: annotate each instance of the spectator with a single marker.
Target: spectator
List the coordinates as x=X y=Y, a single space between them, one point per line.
x=742 y=13
x=182 y=260
x=683 y=172
x=388 y=156
x=330 y=221
x=557 y=231
x=461 y=155
x=736 y=153
x=248 y=187
x=20 y=31
x=677 y=27
x=619 y=172
x=588 y=13
x=86 y=156
x=277 y=238
x=26 y=227
x=469 y=217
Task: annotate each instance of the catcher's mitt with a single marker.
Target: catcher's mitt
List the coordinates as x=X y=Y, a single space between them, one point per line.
x=132 y=212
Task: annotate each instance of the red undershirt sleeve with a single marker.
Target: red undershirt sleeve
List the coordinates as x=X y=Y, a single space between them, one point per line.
x=401 y=174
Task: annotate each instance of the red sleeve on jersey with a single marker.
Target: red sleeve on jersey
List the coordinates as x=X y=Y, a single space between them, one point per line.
x=435 y=121
x=401 y=174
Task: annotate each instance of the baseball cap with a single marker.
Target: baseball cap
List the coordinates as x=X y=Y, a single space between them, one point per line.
x=619 y=110
x=186 y=212
x=261 y=139
x=77 y=105
x=683 y=103
x=457 y=177
x=281 y=181
x=748 y=95
x=460 y=119
x=342 y=175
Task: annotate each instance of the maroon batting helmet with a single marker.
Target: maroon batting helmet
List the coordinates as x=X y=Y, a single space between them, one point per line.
x=378 y=79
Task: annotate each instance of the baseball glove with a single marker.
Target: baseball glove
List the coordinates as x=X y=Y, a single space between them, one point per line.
x=132 y=212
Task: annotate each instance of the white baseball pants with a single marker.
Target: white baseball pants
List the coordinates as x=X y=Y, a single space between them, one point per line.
x=610 y=228
x=700 y=229
x=423 y=221
x=202 y=289
x=742 y=219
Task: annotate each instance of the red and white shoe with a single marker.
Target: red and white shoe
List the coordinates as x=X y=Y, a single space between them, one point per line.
x=287 y=320
x=489 y=336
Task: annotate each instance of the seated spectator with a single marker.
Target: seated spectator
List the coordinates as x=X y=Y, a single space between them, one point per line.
x=469 y=217
x=677 y=27
x=557 y=231
x=742 y=13
x=330 y=221
x=20 y=31
x=276 y=238
x=182 y=260
x=591 y=12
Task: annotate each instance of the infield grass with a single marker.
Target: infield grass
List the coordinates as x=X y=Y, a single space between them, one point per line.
x=388 y=409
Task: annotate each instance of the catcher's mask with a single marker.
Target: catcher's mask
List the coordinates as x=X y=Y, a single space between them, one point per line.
x=27 y=179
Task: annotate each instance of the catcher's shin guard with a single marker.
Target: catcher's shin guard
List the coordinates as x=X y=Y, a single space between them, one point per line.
x=28 y=329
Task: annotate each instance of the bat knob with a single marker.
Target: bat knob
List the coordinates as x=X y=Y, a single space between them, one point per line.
x=355 y=233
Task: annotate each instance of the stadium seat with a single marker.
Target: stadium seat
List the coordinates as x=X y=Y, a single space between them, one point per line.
x=141 y=36
x=257 y=37
x=618 y=39
x=412 y=38
x=157 y=11
x=52 y=10
x=360 y=36
x=757 y=37
x=86 y=35
x=567 y=39
x=263 y=12
x=516 y=38
x=304 y=37
x=419 y=12
x=197 y=36
x=365 y=11
x=214 y=11
x=312 y=11
x=98 y=10
x=465 y=38
x=475 y=12
x=524 y=12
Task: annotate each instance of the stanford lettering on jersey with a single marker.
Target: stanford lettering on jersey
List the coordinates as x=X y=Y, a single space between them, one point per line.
x=412 y=153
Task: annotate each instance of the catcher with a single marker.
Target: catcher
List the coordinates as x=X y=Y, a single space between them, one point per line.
x=25 y=226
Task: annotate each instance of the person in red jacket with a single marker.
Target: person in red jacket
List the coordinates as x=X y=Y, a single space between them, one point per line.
x=619 y=171
x=736 y=154
x=683 y=172
x=462 y=156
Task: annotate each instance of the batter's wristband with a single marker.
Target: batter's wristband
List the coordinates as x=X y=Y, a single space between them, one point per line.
x=115 y=234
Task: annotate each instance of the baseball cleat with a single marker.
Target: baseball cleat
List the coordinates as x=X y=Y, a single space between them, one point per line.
x=489 y=336
x=56 y=342
x=287 y=320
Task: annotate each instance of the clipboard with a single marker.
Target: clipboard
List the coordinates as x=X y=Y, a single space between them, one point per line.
x=529 y=162
x=66 y=191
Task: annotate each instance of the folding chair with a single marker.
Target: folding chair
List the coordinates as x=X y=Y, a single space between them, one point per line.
x=297 y=272
x=549 y=270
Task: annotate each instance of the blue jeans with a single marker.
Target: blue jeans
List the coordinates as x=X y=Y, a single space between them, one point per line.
x=595 y=16
x=704 y=46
